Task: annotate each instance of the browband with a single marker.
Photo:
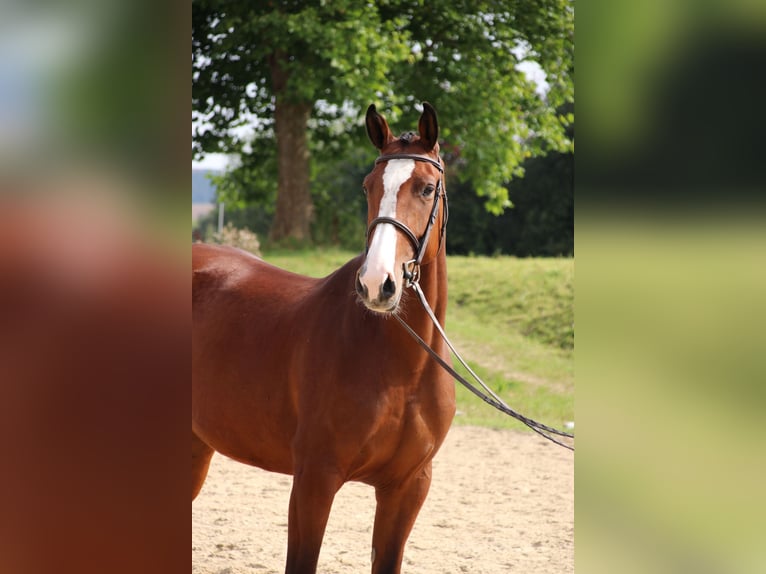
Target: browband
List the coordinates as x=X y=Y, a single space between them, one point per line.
x=416 y=157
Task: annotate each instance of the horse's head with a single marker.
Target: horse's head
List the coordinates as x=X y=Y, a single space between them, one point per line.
x=405 y=224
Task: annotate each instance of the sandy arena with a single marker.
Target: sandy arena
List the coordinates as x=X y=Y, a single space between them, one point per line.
x=500 y=501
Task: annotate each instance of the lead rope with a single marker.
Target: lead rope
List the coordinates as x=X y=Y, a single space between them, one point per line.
x=492 y=399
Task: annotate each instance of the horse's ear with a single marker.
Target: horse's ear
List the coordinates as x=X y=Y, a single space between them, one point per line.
x=428 y=126
x=377 y=128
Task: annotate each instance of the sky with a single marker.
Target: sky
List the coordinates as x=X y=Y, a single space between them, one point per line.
x=217 y=161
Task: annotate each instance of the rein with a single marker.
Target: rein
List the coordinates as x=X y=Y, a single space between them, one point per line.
x=490 y=397
x=412 y=278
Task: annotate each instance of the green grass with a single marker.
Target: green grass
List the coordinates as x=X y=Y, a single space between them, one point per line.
x=511 y=319
x=531 y=296
x=312 y=262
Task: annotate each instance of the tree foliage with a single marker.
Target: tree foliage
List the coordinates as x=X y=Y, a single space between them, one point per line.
x=541 y=222
x=337 y=57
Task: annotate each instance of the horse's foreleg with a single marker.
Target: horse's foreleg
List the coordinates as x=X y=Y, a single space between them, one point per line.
x=397 y=509
x=201 y=455
x=313 y=492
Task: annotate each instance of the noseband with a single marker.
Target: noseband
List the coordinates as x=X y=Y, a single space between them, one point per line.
x=412 y=267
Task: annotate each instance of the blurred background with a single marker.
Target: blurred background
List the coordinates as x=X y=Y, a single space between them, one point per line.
x=94 y=298
x=671 y=273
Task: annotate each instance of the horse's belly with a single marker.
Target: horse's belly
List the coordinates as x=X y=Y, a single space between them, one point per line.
x=250 y=439
x=245 y=414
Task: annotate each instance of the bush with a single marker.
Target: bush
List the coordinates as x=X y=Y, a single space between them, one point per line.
x=242 y=238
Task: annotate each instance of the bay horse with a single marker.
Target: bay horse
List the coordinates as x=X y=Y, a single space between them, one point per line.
x=312 y=377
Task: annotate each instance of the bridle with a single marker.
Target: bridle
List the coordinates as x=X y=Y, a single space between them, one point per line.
x=412 y=267
x=412 y=278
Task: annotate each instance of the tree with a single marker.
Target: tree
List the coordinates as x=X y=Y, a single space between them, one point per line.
x=301 y=73
x=541 y=222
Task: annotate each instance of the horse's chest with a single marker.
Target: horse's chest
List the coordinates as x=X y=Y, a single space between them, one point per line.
x=380 y=416
x=406 y=434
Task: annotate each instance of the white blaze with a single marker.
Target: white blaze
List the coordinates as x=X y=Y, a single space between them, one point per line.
x=381 y=256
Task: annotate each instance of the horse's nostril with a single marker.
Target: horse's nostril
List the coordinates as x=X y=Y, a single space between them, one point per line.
x=388 y=289
x=360 y=288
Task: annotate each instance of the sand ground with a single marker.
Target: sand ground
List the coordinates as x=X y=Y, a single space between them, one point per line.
x=500 y=501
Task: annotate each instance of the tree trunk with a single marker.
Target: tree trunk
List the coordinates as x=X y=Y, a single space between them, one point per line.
x=295 y=208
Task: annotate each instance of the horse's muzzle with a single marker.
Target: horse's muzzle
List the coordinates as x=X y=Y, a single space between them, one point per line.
x=385 y=297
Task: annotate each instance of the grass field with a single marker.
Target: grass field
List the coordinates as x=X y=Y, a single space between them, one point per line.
x=511 y=319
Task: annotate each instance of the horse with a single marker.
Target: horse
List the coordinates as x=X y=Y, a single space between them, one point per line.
x=312 y=378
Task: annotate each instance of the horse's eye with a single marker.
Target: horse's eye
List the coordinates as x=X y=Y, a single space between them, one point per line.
x=364 y=190
x=428 y=190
